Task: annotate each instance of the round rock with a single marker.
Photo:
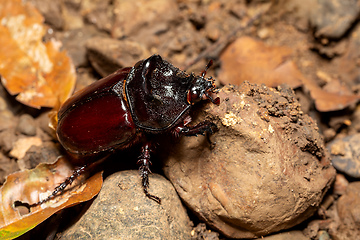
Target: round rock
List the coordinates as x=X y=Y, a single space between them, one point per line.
x=332 y=18
x=345 y=155
x=26 y=125
x=268 y=171
x=122 y=211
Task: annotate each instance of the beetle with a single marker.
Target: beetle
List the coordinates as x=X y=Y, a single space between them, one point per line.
x=128 y=107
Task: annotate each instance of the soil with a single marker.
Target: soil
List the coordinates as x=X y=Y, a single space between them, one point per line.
x=102 y=36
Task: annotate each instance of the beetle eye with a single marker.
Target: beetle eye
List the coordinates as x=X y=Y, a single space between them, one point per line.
x=193 y=96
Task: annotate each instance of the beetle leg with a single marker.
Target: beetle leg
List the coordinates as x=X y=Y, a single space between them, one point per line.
x=144 y=169
x=204 y=128
x=59 y=189
x=200 y=128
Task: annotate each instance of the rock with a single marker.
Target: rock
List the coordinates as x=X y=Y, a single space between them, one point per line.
x=348 y=71
x=7 y=139
x=107 y=55
x=51 y=12
x=48 y=152
x=7 y=166
x=72 y=17
x=312 y=229
x=297 y=11
x=323 y=235
x=144 y=15
x=23 y=144
x=45 y=132
x=99 y=13
x=7 y=120
x=345 y=155
x=292 y=235
x=26 y=125
x=74 y=41
x=3 y=105
x=349 y=213
x=201 y=232
x=332 y=18
x=340 y=184
x=122 y=211
x=268 y=171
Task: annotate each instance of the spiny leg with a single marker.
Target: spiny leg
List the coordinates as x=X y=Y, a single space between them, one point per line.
x=144 y=170
x=59 y=189
x=203 y=128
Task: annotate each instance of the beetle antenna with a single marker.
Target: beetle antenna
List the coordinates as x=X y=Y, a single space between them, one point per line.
x=207 y=68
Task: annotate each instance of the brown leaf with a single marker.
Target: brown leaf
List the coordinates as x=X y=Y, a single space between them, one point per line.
x=22 y=145
x=36 y=71
x=26 y=187
x=253 y=61
x=328 y=101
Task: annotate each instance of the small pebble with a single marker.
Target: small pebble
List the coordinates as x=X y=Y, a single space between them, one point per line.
x=349 y=214
x=340 y=184
x=26 y=125
x=323 y=235
x=291 y=235
x=332 y=19
x=3 y=104
x=345 y=155
x=6 y=119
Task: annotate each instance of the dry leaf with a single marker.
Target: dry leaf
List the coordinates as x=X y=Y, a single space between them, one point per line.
x=327 y=101
x=36 y=72
x=22 y=145
x=27 y=186
x=251 y=60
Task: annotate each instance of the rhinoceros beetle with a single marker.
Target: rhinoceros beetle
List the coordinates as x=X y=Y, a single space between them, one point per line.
x=128 y=107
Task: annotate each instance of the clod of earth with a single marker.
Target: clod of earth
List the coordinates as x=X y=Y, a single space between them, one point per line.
x=268 y=171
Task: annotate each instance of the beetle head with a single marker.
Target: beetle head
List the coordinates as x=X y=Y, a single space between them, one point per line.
x=156 y=93
x=202 y=88
x=159 y=94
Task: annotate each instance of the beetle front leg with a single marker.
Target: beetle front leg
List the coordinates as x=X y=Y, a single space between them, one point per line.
x=144 y=169
x=203 y=128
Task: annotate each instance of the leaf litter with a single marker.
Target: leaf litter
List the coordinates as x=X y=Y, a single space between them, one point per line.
x=38 y=73
x=24 y=188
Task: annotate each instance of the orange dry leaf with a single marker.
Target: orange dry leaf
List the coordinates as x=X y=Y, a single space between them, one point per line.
x=252 y=60
x=36 y=72
x=22 y=145
x=26 y=186
x=328 y=101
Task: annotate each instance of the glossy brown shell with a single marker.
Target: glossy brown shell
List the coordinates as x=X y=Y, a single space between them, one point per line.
x=98 y=118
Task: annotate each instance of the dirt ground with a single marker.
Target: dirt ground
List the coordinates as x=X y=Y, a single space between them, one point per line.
x=312 y=46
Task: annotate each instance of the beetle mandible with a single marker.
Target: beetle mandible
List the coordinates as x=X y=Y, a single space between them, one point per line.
x=128 y=107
